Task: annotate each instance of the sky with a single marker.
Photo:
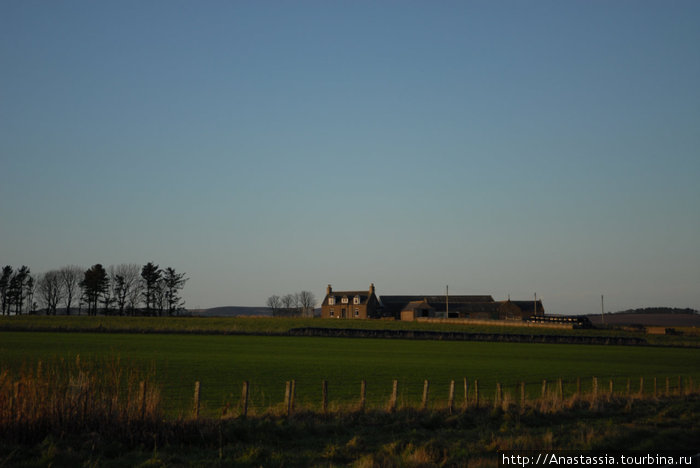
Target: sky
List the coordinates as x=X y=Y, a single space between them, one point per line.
x=502 y=148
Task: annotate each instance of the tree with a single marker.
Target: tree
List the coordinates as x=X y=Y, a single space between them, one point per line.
x=134 y=295
x=17 y=288
x=51 y=291
x=151 y=275
x=288 y=302
x=4 y=289
x=173 y=282
x=125 y=279
x=159 y=297
x=70 y=280
x=307 y=302
x=30 y=289
x=94 y=284
x=274 y=303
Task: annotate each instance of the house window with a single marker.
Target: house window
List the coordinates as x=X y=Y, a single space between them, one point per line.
x=344 y=300
x=357 y=312
x=332 y=313
x=331 y=300
x=356 y=300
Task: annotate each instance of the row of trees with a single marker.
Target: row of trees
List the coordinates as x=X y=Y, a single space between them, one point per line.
x=16 y=289
x=126 y=289
x=292 y=305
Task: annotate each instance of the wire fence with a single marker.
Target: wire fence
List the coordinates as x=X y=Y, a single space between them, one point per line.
x=456 y=395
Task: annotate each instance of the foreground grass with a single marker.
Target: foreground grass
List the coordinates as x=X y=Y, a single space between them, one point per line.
x=222 y=363
x=266 y=325
x=409 y=438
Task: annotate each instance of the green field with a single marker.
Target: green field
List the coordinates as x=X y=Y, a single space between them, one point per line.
x=221 y=363
x=267 y=325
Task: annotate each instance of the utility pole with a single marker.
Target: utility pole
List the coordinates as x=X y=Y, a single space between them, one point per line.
x=535 y=303
x=447 y=301
x=602 y=309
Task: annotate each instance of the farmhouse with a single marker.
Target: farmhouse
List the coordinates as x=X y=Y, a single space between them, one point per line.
x=350 y=304
x=366 y=304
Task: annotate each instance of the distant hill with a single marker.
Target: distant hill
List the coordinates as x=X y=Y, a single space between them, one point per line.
x=658 y=310
x=233 y=311
x=651 y=317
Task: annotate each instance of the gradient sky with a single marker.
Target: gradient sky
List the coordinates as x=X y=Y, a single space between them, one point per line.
x=269 y=147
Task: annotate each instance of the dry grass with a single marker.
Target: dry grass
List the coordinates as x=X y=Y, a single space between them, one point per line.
x=76 y=397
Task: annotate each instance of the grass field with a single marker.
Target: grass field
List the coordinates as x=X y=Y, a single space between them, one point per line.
x=266 y=325
x=221 y=363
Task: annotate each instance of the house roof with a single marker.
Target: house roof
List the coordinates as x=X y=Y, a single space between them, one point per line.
x=395 y=304
x=529 y=306
x=417 y=305
x=364 y=296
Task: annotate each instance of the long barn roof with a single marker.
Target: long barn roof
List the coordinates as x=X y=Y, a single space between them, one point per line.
x=396 y=304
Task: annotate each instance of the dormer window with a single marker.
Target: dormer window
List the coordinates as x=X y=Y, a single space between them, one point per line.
x=344 y=300
x=356 y=300
x=331 y=300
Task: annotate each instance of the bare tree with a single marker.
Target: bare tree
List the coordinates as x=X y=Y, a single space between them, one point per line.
x=124 y=281
x=288 y=303
x=307 y=302
x=50 y=290
x=134 y=296
x=274 y=303
x=70 y=276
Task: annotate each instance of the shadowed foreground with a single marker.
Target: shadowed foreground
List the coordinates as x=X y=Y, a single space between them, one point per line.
x=79 y=417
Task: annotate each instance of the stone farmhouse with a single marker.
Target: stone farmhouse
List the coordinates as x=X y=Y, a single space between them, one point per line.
x=363 y=304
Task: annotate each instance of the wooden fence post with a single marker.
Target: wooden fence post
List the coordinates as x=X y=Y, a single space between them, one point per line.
x=287 y=397
x=451 y=397
x=244 y=399
x=612 y=386
x=363 y=394
x=466 y=393
x=641 y=385
x=544 y=388
x=499 y=394
x=196 y=399
x=561 y=388
x=595 y=387
x=292 y=394
x=394 y=396
x=324 y=396
x=426 y=388
x=476 y=393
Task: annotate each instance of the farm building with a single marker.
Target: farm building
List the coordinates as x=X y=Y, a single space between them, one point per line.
x=350 y=304
x=366 y=304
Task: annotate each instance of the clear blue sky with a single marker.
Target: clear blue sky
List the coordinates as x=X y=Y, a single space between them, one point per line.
x=269 y=147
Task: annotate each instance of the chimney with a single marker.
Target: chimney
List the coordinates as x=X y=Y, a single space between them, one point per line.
x=329 y=290
x=371 y=289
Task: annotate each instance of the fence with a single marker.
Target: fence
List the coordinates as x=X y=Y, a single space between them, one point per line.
x=460 y=396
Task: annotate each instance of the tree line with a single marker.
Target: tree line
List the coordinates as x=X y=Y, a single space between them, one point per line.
x=292 y=305
x=125 y=289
